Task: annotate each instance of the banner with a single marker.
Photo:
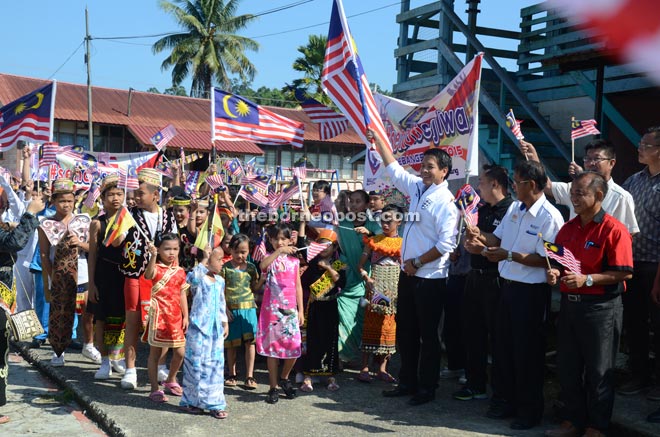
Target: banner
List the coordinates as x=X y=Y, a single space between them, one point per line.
x=448 y=121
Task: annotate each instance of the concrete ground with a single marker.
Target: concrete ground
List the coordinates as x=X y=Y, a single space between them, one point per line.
x=356 y=409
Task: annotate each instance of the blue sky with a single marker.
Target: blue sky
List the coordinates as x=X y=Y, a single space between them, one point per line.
x=40 y=35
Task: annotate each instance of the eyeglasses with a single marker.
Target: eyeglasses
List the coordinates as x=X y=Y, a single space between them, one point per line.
x=594 y=160
x=645 y=146
x=515 y=182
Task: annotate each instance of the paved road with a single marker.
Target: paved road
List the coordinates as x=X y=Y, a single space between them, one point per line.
x=37 y=407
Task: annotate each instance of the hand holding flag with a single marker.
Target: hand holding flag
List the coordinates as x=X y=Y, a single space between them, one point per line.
x=467 y=201
x=563 y=256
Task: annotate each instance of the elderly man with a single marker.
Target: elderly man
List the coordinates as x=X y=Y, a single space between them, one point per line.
x=519 y=353
x=590 y=315
x=427 y=244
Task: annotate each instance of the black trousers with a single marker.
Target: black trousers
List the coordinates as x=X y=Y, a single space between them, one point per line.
x=588 y=335
x=480 y=302
x=419 y=309
x=638 y=310
x=519 y=355
x=4 y=349
x=452 y=330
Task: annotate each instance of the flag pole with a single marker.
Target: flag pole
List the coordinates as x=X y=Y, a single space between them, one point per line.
x=213 y=151
x=572 y=141
x=52 y=112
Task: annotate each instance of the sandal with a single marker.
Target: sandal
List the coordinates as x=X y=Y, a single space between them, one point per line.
x=364 y=376
x=4 y=419
x=191 y=410
x=231 y=381
x=158 y=396
x=332 y=384
x=306 y=385
x=173 y=388
x=386 y=377
x=251 y=383
x=218 y=414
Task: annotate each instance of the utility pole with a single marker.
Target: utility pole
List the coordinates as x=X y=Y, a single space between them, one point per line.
x=88 y=40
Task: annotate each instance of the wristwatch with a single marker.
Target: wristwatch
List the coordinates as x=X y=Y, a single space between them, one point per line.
x=590 y=281
x=509 y=256
x=417 y=262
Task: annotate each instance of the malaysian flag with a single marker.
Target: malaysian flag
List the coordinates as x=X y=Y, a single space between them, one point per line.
x=234 y=167
x=331 y=123
x=260 y=182
x=215 y=181
x=249 y=165
x=128 y=178
x=514 y=125
x=163 y=136
x=344 y=80
x=251 y=194
x=300 y=168
x=259 y=252
x=563 y=256
x=236 y=118
x=315 y=248
x=28 y=118
x=583 y=128
x=48 y=154
x=467 y=201
x=289 y=190
x=93 y=194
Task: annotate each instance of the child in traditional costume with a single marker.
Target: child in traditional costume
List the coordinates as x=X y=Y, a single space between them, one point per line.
x=167 y=321
x=106 y=285
x=63 y=243
x=379 y=329
x=181 y=208
x=322 y=280
x=278 y=336
x=203 y=365
x=241 y=279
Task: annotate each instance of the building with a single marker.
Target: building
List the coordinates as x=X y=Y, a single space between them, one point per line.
x=125 y=120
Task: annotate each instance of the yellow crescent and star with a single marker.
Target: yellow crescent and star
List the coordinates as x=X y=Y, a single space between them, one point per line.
x=241 y=107
x=22 y=106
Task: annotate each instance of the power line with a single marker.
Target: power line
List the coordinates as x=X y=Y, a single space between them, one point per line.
x=67 y=59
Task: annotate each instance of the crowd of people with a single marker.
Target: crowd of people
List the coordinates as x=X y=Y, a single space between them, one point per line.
x=321 y=289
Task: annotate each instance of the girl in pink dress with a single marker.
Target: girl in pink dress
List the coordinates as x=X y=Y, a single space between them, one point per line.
x=281 y=316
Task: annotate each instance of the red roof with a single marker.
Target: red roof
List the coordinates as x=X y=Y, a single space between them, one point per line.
x=151 y=112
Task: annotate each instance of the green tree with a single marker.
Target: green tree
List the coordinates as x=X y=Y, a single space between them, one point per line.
x=153 y=90
x=176 y=91
x=311 y=65
x=263 y=95
x=208 y=48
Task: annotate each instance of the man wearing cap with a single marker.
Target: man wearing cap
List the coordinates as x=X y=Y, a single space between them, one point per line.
x=152 y=221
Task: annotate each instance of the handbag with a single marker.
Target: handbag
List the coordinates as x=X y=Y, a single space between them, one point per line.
x=25 y=324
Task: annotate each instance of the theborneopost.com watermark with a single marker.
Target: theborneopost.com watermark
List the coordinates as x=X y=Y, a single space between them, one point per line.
x=326 y=216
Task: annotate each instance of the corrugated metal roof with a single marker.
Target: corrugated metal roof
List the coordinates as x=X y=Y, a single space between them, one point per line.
x=150 y=112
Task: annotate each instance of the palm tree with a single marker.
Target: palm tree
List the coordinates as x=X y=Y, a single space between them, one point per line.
x=311 y=65
x=208 y=48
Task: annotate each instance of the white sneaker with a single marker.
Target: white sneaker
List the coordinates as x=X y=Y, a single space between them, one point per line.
x=119 y=366
x=163 y=374
x=104 y=372
x=56 y=361
x=450 y=374
x=129 y=381
x=91 y=353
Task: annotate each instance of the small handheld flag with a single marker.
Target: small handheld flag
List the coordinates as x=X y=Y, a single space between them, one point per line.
x=583 y=128
x=467 y=201
x=563 y=256
x=163 y=136
x=118 y=224
x=514 y=125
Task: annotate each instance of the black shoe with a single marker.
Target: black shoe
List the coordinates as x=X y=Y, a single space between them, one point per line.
x=398 y=391
x=633 y=386
x=422 y=397
x=288 y=388
x=654 y=417
x=500 y=410
x=76 y=345
x=273 y=396
x=36 y=343
x=522 y=423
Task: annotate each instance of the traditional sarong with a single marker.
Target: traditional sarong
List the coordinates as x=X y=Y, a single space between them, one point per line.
x=113 y=337
x=63 y=296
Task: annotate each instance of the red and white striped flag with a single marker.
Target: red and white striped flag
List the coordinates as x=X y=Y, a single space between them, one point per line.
x=259 y=252
x=563 y=256
x=514 y=125
x=260 y=182
x=28 y=118
x=315 y=248
x=128 y=179
x=163 y=136
x=345 y=81
x=583 y=128
x=215 y=181
x=93 y=194
x=331 y=123
x=48 y=154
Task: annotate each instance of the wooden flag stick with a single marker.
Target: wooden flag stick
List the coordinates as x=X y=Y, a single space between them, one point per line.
x=572 y=141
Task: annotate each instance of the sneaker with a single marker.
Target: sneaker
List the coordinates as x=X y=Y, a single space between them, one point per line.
x=451 y=374
x=466 y=394
x=104 y=372
x=288 y=388
x=654 y=393
x=118 y=366
x=91 y=353
x=163 y=374
x=462 y=380
x=56 y=361
x=273 y=396
x=632 y=386
x=129 y=381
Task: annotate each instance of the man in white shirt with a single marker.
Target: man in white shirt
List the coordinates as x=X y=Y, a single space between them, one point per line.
x=599 y=157
x=517 y=244
x=427 y=243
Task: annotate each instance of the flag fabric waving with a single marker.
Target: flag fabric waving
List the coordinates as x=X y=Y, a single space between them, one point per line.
x=236 y=118
x=93 y=194
x=314 y=249
x=260 y=182
x=563 y=256
x=291 y=189
x=202 y=239
x=514 y=125
x=300 y=168
x=583 y=128
x=251 y=194
x=48 y=153
x=28 y=118
x=331 y=123
x=128 y=178
x=163 y=136
x=467 y=201
x=215 y=181
x=345 y=81
x=259 y=252
x=234 y=167
x=217 y=230
x=118 y=224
